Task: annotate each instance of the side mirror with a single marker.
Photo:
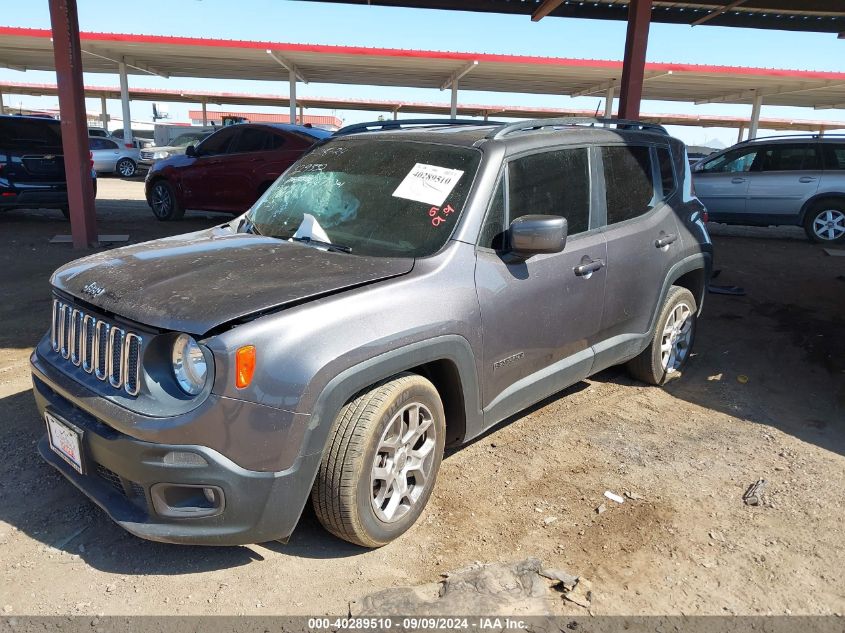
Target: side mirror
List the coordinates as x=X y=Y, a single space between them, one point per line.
x=536 y=234
x=191 y=151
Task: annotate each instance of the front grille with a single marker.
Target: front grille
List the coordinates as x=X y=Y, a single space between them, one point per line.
x=146 y=155
x=132 y=490
x=107 y=351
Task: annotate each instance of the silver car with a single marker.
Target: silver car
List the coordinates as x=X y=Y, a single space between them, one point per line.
x=151 y=154
x=111 y=157
x=797 y=180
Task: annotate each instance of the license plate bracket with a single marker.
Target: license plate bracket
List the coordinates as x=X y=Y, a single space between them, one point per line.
x=65 y=440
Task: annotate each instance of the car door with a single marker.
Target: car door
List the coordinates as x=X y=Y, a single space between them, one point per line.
x=721 y=183
x=786 y=176
x=539 y=317
x=200 y=178
x=258 y=156
x=104 y=153
x=643 y=241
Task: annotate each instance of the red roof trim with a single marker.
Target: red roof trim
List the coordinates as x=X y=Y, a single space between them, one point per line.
x=423 y=54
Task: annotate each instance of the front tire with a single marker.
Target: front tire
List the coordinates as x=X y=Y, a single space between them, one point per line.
x=126 y=167
x=381 y=461
x=670 y=347
x=825 y=222
x=164 y=203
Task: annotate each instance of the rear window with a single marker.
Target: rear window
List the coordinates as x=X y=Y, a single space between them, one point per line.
x=834 y=156
x=29 y=133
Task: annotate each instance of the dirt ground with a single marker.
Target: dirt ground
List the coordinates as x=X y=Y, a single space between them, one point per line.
x=764 y=397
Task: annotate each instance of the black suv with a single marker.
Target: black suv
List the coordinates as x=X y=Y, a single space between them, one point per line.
x=32 y=168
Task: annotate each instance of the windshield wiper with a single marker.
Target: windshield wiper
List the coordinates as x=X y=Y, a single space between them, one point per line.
x=341 y=248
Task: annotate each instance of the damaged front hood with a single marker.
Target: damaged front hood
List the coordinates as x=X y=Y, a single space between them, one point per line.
x=196 y=282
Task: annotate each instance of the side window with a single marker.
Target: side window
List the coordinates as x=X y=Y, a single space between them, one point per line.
x=96 y=143
x=251 y=139
x=834 y=156
x=276 y=141
x=108 y=144
x=218 y=142
x=667 y=171
x=789 y=158
x=738 y=160
x=629 y=185
x=493 y=231
x=551 y=183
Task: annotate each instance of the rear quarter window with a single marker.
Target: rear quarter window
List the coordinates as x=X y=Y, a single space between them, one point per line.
x=834 y=156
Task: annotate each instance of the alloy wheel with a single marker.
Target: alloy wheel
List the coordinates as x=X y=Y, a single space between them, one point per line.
x=126 y=168
x=403 y=463
x=677 y=336
x=829 y=225
x=162 y=200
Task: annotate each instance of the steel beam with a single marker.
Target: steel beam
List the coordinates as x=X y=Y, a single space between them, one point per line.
x=13 y=67
x=756 y=108
x=544 y=9
x=104 y=114
x=2 y=106
x=608 y=102
x=453 y=112
x=287 y=65
x=459 y=74
x=204 y=112
x=717 y=12
x=124 y=103
x=67 y=53
x=129 y=61
x=633 y=69
x=292 y=94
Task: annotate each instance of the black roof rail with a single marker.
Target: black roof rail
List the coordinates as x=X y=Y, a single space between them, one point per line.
x=778 y=137
x=539 y=124
x=397 y=124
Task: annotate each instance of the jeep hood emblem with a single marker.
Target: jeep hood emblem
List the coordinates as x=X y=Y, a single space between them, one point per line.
x=93 y=289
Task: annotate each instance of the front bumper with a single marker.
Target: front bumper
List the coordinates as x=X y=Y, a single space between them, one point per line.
x=119 y=473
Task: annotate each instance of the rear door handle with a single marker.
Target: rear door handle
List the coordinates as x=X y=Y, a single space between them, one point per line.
x=738 y=181
x=588 y=268
x=664 y=240
x=807 y=179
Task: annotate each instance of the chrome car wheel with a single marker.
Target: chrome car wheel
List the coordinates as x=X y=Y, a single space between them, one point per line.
x=125 y=167
x=829 y=225
x=403 y=462
x=677 y=337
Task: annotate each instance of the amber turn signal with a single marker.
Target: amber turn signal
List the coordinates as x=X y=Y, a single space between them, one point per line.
x=245 y=364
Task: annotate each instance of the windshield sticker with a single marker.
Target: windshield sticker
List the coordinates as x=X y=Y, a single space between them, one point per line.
x=428 y=183
x=436 y=219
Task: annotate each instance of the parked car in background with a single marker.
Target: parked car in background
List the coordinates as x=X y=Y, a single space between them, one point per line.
x=140 y=138
x=112 y=157
x=151 y=154
x=394 y=292
x=227 y=171
x=32 y=167
x=797 y=180
x=98 y=132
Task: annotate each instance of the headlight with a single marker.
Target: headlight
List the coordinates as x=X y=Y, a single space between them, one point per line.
x=160 y=155
x=189 y=366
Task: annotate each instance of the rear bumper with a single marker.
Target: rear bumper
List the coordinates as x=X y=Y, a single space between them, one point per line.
x=35 y=196
x=121 y=473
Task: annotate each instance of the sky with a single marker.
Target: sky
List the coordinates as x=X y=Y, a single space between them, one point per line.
x=360 y=25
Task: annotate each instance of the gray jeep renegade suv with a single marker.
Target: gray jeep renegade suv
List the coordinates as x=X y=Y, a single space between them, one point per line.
x=396 y=291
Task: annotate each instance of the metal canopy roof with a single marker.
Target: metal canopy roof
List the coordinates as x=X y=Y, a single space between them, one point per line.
x=31 y=49
x=408 y=107
x=825 y=16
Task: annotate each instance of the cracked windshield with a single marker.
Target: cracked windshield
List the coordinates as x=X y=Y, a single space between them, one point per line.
x=391 y=199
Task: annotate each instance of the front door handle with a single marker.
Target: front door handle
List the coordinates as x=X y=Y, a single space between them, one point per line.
x=738 y=181
x=588 y=268
x=807 y=179
x=664 y=240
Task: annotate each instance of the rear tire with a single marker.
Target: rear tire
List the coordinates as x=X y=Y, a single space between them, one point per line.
x=825 y=222
x=669 y=351
x=164 y=203
x=381 y=461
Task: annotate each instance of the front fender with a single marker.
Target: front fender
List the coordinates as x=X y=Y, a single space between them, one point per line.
x=340 y=389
